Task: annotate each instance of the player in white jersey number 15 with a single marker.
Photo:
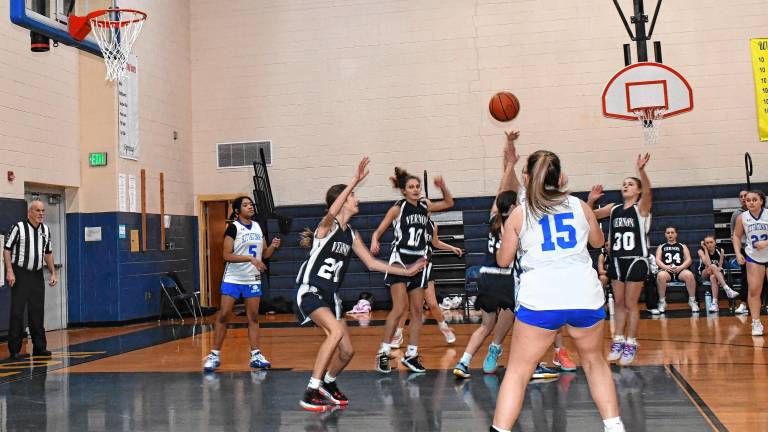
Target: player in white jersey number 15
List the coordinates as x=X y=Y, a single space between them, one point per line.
x=558 y=287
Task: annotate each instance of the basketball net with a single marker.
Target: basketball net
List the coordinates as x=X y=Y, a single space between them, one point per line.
x=115 y=32
x=650 y=120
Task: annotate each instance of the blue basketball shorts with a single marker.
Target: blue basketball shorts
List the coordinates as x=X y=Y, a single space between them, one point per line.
x=241 y=290
x=555 y=319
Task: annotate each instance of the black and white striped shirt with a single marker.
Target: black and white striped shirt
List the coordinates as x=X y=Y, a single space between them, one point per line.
x=28 y=245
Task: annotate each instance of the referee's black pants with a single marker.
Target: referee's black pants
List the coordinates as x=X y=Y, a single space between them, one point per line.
x=28 y=292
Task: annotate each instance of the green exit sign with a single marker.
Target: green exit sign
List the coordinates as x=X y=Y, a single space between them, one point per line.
x=97 y=159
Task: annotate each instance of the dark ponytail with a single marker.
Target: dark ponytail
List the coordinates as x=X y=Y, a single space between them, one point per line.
x=307 y=236
x=504 y=203
x=543 y=188
x=401 y=178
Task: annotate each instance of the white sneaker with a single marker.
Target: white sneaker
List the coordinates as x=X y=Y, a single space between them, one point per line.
x=211 y=363
x=662 y=306
x=694 y=306
x=742 y=309
x=714 y=308
x=757 y=328
x=730 y=292
x=446 y=304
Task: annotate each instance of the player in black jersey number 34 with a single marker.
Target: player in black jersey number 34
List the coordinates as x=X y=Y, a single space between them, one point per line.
x=318 y=285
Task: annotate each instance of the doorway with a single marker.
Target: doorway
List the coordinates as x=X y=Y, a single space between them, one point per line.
x=56 y=220
x=216 y=214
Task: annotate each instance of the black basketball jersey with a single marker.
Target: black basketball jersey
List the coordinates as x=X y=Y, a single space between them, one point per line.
x=494 y=244
x=714 y=258
x=628 y=232
x=328 y=260
x=410 y=227
x=672 y=254
x=429 y=235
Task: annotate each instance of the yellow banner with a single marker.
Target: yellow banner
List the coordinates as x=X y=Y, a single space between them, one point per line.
x=759 y=48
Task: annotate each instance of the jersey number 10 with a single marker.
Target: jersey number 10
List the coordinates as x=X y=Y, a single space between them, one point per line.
x=566 y=241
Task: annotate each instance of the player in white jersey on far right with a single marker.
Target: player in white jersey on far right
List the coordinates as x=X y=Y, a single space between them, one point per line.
x=558 y=287
x=754 y=224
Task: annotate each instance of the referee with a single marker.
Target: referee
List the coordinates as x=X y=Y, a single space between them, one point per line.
x=27 y=247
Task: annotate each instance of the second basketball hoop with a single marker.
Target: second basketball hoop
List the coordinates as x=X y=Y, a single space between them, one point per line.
x=648 y=93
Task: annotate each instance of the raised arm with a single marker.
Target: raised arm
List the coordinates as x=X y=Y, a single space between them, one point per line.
x=509 y=180
x=505 y=256
x=385 y=223
x=447 y=201
x=326 y=223
x=596 y=237
x=644 y=205
x=738 y=232
x=373 y=264
x=594 y=196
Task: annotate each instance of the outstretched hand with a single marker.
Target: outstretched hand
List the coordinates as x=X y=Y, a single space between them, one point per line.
x=439 y=182
x=642 y=161
x=512 y=136
x=362 y=169
x=596 y=193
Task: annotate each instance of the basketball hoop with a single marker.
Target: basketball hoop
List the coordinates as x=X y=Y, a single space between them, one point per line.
x=115 y=31
x=650 y=120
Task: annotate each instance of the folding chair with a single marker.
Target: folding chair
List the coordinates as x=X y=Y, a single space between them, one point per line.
x=172 y=294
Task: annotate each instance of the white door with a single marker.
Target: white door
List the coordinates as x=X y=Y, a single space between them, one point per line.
x=55 y=218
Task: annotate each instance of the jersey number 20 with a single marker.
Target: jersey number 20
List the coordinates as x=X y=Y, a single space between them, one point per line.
x=566 y=241
x=330 y=269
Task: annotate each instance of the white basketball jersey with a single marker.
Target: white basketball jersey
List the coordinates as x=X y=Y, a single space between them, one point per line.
x=249 y=241
x=755 y=229
x=555 y=265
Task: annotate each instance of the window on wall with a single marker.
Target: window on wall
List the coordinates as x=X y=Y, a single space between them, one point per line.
x=242 y=154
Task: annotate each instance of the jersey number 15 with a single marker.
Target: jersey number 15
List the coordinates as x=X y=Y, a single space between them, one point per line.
x=565 y=241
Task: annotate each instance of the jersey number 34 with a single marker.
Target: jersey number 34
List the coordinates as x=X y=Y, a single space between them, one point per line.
x=565 y=234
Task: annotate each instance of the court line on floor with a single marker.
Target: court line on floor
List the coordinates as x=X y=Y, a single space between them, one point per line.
x=97 y=349
x=702 y=406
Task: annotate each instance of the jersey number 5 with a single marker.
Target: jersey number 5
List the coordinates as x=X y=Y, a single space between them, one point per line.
x=568 y=241
x=756 y=239
x=330 y=269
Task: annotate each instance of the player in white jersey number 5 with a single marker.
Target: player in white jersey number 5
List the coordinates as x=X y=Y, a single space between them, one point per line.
x=754 y=224
x=244 y=250
x=558 y=287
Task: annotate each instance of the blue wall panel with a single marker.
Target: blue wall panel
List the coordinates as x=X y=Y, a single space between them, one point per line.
x=109 y=282
x=11 y=211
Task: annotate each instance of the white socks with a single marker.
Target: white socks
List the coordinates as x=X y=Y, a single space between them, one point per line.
x=613 y=425
x=442 y=324
x=314 y=383
x=632 y=341
x=619 y=338
x=411 y=351
x=466 y=358
x=385 y=348
x=328 y=378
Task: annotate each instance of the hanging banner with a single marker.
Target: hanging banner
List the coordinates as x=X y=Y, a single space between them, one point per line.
x=759 y=48
x=128 y=111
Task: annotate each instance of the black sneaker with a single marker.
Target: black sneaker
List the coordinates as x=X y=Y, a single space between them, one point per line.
x=313 y=400
x=382 y=363
x=413 y=363
x=331 y=392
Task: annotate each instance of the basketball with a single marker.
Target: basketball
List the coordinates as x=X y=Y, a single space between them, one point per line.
x=504 y=106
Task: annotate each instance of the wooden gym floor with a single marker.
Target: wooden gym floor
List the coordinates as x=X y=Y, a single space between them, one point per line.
x=692 y=373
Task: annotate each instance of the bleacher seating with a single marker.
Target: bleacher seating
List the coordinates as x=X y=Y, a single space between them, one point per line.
x=690 y=209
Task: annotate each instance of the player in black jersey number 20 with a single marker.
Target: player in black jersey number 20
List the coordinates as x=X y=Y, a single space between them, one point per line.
x=318 y=283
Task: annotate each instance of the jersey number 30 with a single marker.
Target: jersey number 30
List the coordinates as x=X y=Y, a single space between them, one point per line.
x=330 y=269
x=566 y=241
x=624 y=241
